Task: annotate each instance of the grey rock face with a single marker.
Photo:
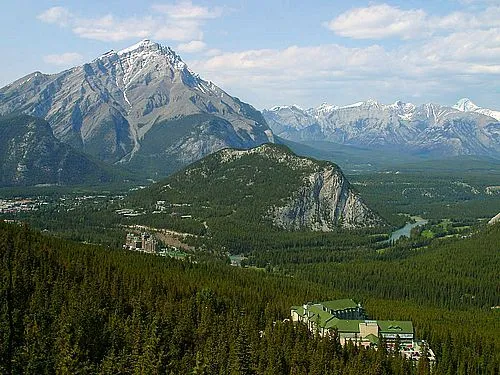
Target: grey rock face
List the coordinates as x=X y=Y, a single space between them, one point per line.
x=495 y=219
x=323 y=203
x=429 y=128
x=319 y=199
x=108 y=106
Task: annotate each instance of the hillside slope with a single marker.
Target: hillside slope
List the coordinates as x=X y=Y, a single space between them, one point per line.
x=267 y=185
x=30 y=155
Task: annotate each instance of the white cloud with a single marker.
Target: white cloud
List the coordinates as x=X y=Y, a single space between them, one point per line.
x=443 y=64
x=213 y=52
x=191 y=47
x=179 y=31
x=296 y=74
x=379 y=21
x=64 y=59
x=56 y=15
x=181 y=22
x=186 y=10
x=295 y=63
x=472 y=53
x=386 y=21
x=109 y=28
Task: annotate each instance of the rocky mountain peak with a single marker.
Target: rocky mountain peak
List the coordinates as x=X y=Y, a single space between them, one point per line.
x=372 y=102
x=465 y=105
x=142 y=45
x=326 y=108
x=278 y=154
x=143 y=53
x=139 y=104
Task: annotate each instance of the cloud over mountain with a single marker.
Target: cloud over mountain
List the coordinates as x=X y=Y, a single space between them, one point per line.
x=180 y=21
x=431 y=50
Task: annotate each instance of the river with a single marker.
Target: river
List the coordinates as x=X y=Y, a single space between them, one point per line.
x=405 y=231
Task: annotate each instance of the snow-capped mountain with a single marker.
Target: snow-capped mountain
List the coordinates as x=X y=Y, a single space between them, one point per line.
x=140 y=104
x=429 y=128
x=466 y=105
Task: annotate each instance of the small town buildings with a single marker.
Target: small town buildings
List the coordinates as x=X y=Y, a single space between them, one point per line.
x=349 y=320
x=140 y=242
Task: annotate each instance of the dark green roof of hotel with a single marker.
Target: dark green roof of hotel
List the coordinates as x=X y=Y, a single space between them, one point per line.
x=395 y=326
x=339 y=304
x=343 y=325
x=318 y=312
x=386 y=326
x=326 y=320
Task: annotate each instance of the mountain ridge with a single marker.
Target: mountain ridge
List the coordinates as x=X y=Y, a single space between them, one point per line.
x=107 y=107
x=427 y=128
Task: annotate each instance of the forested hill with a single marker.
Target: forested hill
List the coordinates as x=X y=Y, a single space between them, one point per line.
x=77 y=309
x=30 y=155
x=74 y=309
x=267 y=186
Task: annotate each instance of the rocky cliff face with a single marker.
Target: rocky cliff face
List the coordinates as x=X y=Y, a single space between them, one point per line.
x=323 y=203
x=319 y=196
x=140 y=103
x=260 y=188
x=494 y=220
x=429 y=128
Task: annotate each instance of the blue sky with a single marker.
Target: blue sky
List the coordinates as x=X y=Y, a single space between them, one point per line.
x=278 y=52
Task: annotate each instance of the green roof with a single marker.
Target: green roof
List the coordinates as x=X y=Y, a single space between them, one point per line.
x=372 y=338
x=326 y=320
x=343 y=325
x=395 y=326
x=324 y=316
x=299 y=309
x=340 y=304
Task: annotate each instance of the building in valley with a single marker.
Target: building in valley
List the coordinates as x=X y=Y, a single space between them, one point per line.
x=140 y=242
x=349 y=320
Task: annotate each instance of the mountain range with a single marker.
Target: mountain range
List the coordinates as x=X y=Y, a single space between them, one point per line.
x=464 y=129
x=143 y=108
x=140 y=106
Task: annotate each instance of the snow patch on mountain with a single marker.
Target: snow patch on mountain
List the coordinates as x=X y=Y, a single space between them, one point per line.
x=465 y=105
x=142 y=44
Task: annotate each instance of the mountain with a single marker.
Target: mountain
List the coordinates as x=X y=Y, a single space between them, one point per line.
x=426 y=129
x=267 y=185
x=30 y=155
x=466 y=105
x=141 y=105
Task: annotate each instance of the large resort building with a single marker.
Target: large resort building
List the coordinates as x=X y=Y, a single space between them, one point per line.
x=144 y=242
x=349 y=320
